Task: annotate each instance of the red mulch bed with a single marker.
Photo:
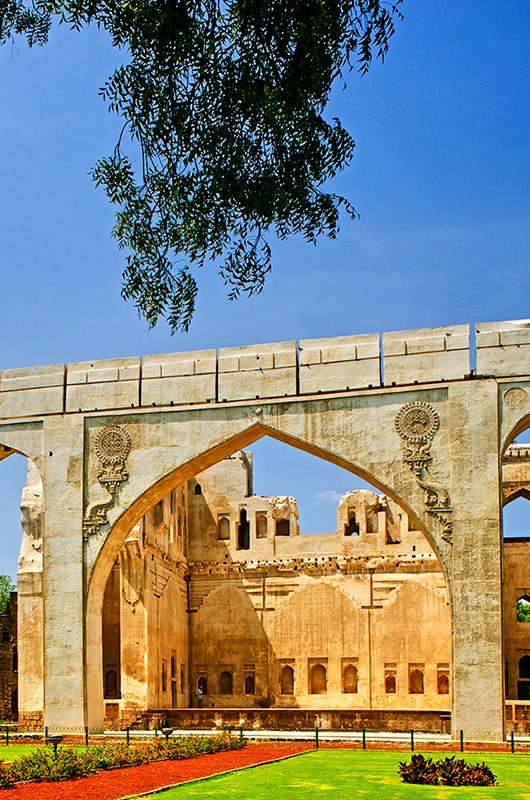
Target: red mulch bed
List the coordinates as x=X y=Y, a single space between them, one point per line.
x=116 y=783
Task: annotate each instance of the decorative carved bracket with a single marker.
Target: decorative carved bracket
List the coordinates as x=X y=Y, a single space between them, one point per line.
x=417 y=424
x=112 y=447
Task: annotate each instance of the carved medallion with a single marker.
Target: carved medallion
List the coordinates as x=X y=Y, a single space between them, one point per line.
x=112 y=446
x=516 y=397
x=417 y=423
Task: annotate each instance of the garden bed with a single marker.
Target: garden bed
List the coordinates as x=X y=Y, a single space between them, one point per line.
x=132 y=781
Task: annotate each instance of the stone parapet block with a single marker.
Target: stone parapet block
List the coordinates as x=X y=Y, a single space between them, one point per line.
x=102 y=385
x=339 y=364
x=426 y=355
x=178 y=378
x=31 y=391
x=255 y=371
x=503 y=348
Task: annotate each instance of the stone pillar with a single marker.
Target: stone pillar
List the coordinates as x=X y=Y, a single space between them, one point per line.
x=476 y=581
x=63 y=579
x=30 y=617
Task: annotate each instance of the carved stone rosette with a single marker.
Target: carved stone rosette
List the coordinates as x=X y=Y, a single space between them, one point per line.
x=417 y=423
x=112 y=446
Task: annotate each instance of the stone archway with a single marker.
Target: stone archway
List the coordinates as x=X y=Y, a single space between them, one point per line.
x=152 y=496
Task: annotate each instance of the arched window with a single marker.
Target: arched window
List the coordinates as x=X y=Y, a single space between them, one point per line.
x=283 y=527
x=523 y=684
x=443 y=683
x=158 y=514
x=202 y=685
x=198 y=488
x=5 y=636
x=182 y=680
x=14 y=659
x=524 y=668
x=223 y=528
x=523 y=608
x=415 y=681
x=390 y=684
x=250 y=684
x=173 y=667
x=286 y=680
x=352 y=528
x=111 y=684
x=318 y=679
x=225 y=682
x=261 y=526
x=164 y=676
x=243 y=531
x=349 y=679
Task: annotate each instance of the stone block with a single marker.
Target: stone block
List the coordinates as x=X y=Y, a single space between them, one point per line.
x=179 y=390
x=102 y=396
x=503 y=348
x=263 y=370
x=31 y=402
x=31 y=377
x=426 y=355
x=339 y=364
x=179 y=378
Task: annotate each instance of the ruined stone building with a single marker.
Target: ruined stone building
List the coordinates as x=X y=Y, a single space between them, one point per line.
x=152 y=579
x=217 y=601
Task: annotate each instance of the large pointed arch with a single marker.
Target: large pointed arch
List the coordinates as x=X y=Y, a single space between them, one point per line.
x=159 y=489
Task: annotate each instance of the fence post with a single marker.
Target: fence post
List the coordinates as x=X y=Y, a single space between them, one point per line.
x=461 y=741
x=411 y=740
x=512 y=741
x=7 y=735
x=86 y=735
x=45 y=732
x=316 y=738
x=364 y=738
x=128 y=734
x=241 y=734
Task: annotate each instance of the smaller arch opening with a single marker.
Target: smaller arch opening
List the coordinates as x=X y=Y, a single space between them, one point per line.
x=225 y=682
x=202 y=685
x=198 y=488
x=523 y=608
x=352 y=526
x=164 y=676
x=416 y=678
x=318 y=679
x=350 y=679
x=243 y=531
x=390 y=683
x=250 y=684
x=111 y=685
x=286 y=680
x=223 y=528
x=283 y=527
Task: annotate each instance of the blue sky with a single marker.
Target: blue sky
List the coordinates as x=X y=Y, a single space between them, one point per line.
x=440 y=176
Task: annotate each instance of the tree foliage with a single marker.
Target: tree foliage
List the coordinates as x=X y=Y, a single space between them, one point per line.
x=225 y=101
x=6 y=587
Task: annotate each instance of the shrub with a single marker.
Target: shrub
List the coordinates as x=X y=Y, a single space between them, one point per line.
x=43 y=765
x=450 y=771
x=6 y=777
x=420 y=770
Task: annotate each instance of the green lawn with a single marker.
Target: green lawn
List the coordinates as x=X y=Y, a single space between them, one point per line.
x=15 y=751
x=354 y=775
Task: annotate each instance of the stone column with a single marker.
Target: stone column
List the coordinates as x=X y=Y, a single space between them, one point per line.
x=63 y=581
x=476 y=582
x=30 y=617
